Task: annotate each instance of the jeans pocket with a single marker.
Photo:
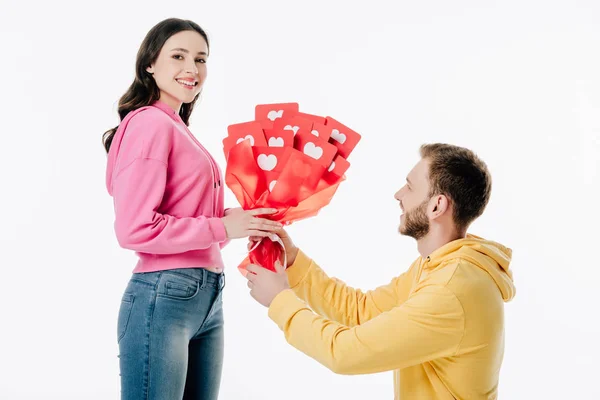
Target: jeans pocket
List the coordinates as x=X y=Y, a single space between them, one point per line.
x=124 y=314
x=177 y=286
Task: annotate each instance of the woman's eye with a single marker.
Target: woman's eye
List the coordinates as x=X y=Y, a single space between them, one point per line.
x=178 y=57
x=201 y=60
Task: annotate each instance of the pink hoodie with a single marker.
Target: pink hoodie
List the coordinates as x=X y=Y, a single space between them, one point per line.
x=167 y=191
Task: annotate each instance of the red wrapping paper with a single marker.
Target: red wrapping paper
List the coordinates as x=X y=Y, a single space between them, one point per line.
x=298 y=186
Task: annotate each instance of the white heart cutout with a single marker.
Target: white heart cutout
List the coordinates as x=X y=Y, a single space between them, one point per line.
x=291 y=128
x=267 y=162
x=248 y=137
x=271 y=185
x=273 y=115
x=311 y=150
x=275 y=142
x=315 y=132
x=337 y=135
x=331 y=167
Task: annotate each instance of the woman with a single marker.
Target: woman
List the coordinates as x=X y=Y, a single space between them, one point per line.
x=168 y=200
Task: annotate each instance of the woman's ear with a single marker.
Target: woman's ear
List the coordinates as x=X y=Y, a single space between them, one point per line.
x=150 y=70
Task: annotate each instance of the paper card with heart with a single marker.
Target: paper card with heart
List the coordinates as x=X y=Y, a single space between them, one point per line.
x=311 y=117
x=279 y=138
x=344 y=138
x=251 y=131
x=228 y=144
x=336 y=169
x=316 y=148
x=267 y=114
x=244 y=130
x=321 y=131
x=289 y=160
x=271 y=161
x=282 y=139
x=271 y=158
x=292 y=124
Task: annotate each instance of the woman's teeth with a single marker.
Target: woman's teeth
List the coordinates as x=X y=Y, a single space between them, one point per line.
x=187 y=83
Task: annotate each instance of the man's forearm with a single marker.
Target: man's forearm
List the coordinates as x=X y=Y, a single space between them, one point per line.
x=332 y=298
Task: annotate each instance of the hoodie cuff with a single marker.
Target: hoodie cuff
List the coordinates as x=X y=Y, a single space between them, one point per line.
x=283 y=307
x=299 y=269
x=218 y=229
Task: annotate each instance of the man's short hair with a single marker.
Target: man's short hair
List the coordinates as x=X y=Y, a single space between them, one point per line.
x=459 y=174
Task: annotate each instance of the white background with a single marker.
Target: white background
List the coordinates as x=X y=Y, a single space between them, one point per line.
x=516 y=81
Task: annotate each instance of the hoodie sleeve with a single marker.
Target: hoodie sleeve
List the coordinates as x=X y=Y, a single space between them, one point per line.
x=138 y=189
x=226 y=241
x=332 y=298
x=428 y=325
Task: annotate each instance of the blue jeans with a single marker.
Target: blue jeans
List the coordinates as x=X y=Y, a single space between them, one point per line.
x=170 y=335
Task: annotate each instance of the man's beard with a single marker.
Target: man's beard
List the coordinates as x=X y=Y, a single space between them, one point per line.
x=416 y=224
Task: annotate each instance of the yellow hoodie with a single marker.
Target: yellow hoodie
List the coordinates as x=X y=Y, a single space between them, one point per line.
x=439 y=325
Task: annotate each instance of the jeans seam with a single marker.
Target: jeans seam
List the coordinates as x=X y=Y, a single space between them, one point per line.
x=149 y=334
x=204 y=279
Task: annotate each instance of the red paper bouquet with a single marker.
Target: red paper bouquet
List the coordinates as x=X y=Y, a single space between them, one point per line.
x=288 y=160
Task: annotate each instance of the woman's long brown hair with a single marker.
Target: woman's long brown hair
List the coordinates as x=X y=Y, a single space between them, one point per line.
x=144 y=91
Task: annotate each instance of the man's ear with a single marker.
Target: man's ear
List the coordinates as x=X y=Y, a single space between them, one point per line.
x=440 y=205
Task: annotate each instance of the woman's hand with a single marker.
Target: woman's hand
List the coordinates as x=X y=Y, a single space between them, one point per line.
x=240 y=223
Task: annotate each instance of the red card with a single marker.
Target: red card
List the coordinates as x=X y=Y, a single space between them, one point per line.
x=247 y=130
x=279 y=138
x=265 y=124
x=293 y=124
x=271 y=112
x=250 y=131
x=271 y=159
x=311 y=117
x=271 y=179
x=268 y=132
x=229 y=142
x=321 y=131
x=344 y=138
x=316 y=148
x=338 y=166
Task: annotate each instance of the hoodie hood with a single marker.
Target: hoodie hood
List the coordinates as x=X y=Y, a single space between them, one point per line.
x=115 y=146
x=492 y=257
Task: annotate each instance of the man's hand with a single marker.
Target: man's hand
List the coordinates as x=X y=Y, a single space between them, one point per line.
x=265 y=284
x=291 y=251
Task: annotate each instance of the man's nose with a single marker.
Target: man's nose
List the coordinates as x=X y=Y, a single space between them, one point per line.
x=399 y=194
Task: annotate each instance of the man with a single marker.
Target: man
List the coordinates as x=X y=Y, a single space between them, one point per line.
x=439 y=325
